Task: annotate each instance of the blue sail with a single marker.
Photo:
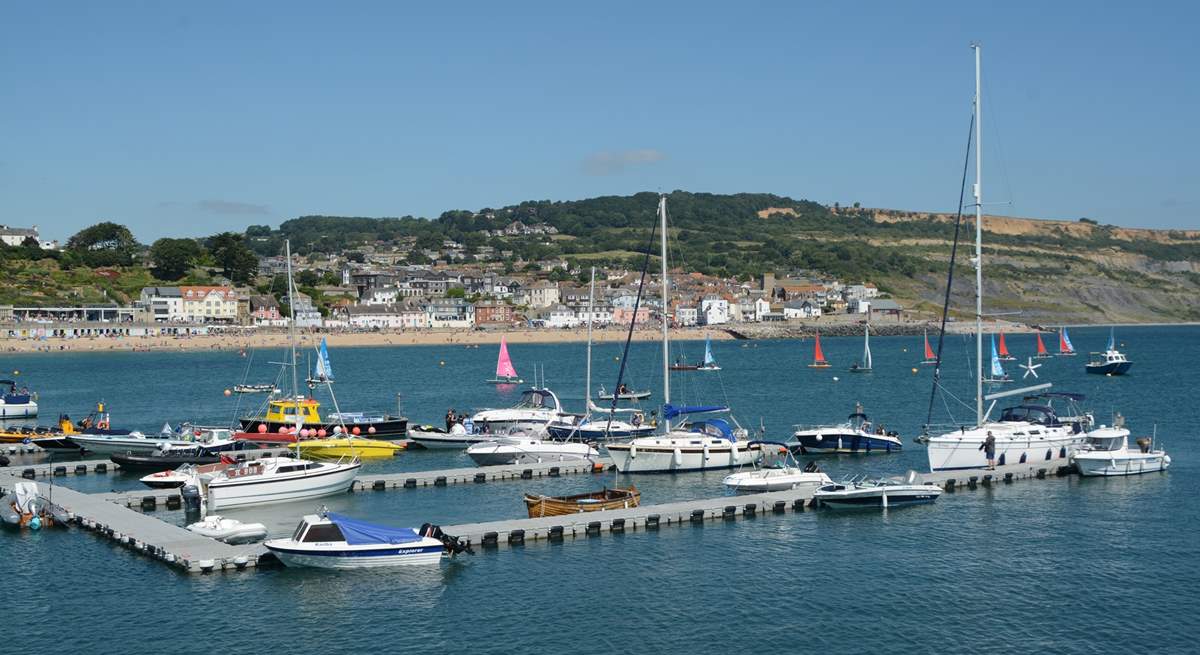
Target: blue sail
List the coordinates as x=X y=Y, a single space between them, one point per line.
x=997 y=369
x=323 y=370
x=708 y=356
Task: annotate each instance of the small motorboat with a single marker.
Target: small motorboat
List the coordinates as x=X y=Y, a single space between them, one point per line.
x=1111 y=361
x=529 y=450
x=435 y=438
x=162 y=460
x=596 y=501
x=334 y=541
x=230 y=531
x=255 y=388
x=776 y=470
x=25 y=507
x=856 y=435
x=17 y=403
x=864 y=492
x=624 y=393
x=1107 y=453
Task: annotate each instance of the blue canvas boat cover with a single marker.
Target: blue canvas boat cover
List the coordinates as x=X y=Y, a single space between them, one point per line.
x=361 y=533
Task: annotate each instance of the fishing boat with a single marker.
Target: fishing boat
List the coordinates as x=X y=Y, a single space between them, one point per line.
x=864 y=492
x=435 y=438
x=695 y=445
x=777 y=470
x=1042 y=353
x=255 y=388
x=230 y=531
x=1065 y=349
x=597 y=501
x=997 y=374
x=1111 y=361
x=1107 y=453
x=322 y=370
x=865 y=365
x=1030 y=431
x=818 y=354
x=1005 y=356
x=856 y=436
x=334 y=541
x=597 y=423
x=710 y=362
x=930 y=357
x=624 y=393
x=505 y=373
x=305 y=412
x=16 y=403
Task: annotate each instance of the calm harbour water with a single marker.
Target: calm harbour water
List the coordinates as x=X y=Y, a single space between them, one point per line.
x=1066 y=565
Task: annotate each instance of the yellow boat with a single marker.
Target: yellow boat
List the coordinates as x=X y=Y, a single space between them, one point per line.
x=335 y=447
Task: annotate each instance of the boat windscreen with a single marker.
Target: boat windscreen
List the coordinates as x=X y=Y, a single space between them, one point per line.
x=363 y=533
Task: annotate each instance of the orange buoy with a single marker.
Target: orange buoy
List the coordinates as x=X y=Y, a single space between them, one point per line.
x=262 y=428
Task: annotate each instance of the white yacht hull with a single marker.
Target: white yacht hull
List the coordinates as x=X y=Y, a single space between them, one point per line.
x=18 y=410
x=259 y=490
x=1117 y=463
x=683 y=454
x=956 y=451
x=775 y=480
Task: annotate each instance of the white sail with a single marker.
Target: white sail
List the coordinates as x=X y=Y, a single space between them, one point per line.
x=867 y=348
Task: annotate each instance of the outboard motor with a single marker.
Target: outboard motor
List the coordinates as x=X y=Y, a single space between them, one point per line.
x=191 y=497
x=453 y=545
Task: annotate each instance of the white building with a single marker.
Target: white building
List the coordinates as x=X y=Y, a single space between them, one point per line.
x=687 y=316
x=858 y=306
x=383 y=317
x=560 y=316
x=801 y=309
x=601 y=315
x=538 y=295
x=714 y=311
x=450 y=313
x=15 y=236
x=163 y=303
x=208 y=304
x=307 y=315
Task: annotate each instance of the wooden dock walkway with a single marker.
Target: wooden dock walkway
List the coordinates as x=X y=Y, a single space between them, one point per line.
x=144 y=533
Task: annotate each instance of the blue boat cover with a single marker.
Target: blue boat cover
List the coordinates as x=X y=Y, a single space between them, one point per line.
x=671 y=411
x=713 y=427
x=361 y=533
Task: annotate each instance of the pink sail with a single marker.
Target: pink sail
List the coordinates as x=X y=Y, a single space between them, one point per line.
x=504 y=367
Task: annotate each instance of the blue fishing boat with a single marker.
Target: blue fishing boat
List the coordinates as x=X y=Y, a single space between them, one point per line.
x=1111 y=361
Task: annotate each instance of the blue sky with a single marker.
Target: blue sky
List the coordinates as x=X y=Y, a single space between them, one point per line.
x=186 y=119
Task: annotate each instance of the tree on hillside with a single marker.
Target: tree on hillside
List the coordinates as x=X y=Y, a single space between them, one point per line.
x=237 y=261
x=173 y=257
x=104 y=244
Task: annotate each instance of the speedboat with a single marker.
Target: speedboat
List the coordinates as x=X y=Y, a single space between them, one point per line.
x=624 y=394
x=334 y=541
x=863 y=492
x=776 y=470
x=529 y=450
x=162 y=460
x=1111 y=361
x=457 y=438
x=1030 y=432
x=1107 y=453
x=856 y=435
x=230 y=531
x=16 y=403
x=127 y=442
x=533 y=412
x=273 y=480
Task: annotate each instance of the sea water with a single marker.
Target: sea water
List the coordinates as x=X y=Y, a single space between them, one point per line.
x=1068 y=565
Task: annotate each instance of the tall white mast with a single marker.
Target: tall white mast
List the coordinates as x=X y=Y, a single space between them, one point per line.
x=287 y=249
x=591 y=309
x=978 y=192
x=666 y=306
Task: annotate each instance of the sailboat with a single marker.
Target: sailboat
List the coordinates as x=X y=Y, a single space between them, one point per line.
x=865 y=365
x=930 y=357
x=1065 y=349
x=505 y=373
x=1111 y=361
x=818 y=354
x=322 y=371
x=1004 y=354
x=997 y=376
x=695 y=445
x=1042 y=353
x=1029 y=432
x=710 y=363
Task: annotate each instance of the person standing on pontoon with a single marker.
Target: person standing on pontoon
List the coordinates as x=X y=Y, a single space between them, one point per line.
x=989 y=449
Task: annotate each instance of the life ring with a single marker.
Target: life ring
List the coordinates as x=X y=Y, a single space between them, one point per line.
x=102 y=425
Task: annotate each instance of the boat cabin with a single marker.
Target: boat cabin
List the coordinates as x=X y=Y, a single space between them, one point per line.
x=314 y=529
x=538 y=399
x=1108 y=439
x=284 y=411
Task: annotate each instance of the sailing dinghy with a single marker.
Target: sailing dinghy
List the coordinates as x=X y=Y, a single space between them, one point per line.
x=930 y=358
x=1042 y=353
x=998 y=376
x=818 y=355
x=1004 y=354
x=505 y=373
x=865 y=366
x=1065 y=349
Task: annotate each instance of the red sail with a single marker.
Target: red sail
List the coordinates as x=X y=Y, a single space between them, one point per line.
x=818 y=356
x=1041 y=346
x=1003 y=347
x=928 y=351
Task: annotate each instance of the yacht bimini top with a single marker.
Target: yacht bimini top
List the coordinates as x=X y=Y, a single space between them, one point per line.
x=538 y=399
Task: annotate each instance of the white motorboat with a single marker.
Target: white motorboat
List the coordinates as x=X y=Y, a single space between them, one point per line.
x=862 y=492
x=333 y=541
x=529 y=450
x=1107 y=453
x=230 y=531
x=856 y=435
x=273 y=480
x=712 y=443
x=624 y=394
x=777 y=470
x=457 y=438
x=16 y=403
x=533 y=412
x=131 y=442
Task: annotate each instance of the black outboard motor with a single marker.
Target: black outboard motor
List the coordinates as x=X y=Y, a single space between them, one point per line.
x=3 y=460
x=452 y=544
x=191 y=497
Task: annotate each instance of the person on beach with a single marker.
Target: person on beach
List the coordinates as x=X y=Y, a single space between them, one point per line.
x=989 y=449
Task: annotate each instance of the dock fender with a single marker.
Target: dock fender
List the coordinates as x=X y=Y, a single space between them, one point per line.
x=734 y=453
x=678 y=457
x=632 y=450
x=705 y=452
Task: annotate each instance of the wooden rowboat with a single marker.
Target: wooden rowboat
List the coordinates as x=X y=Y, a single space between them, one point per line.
x=595 y=501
